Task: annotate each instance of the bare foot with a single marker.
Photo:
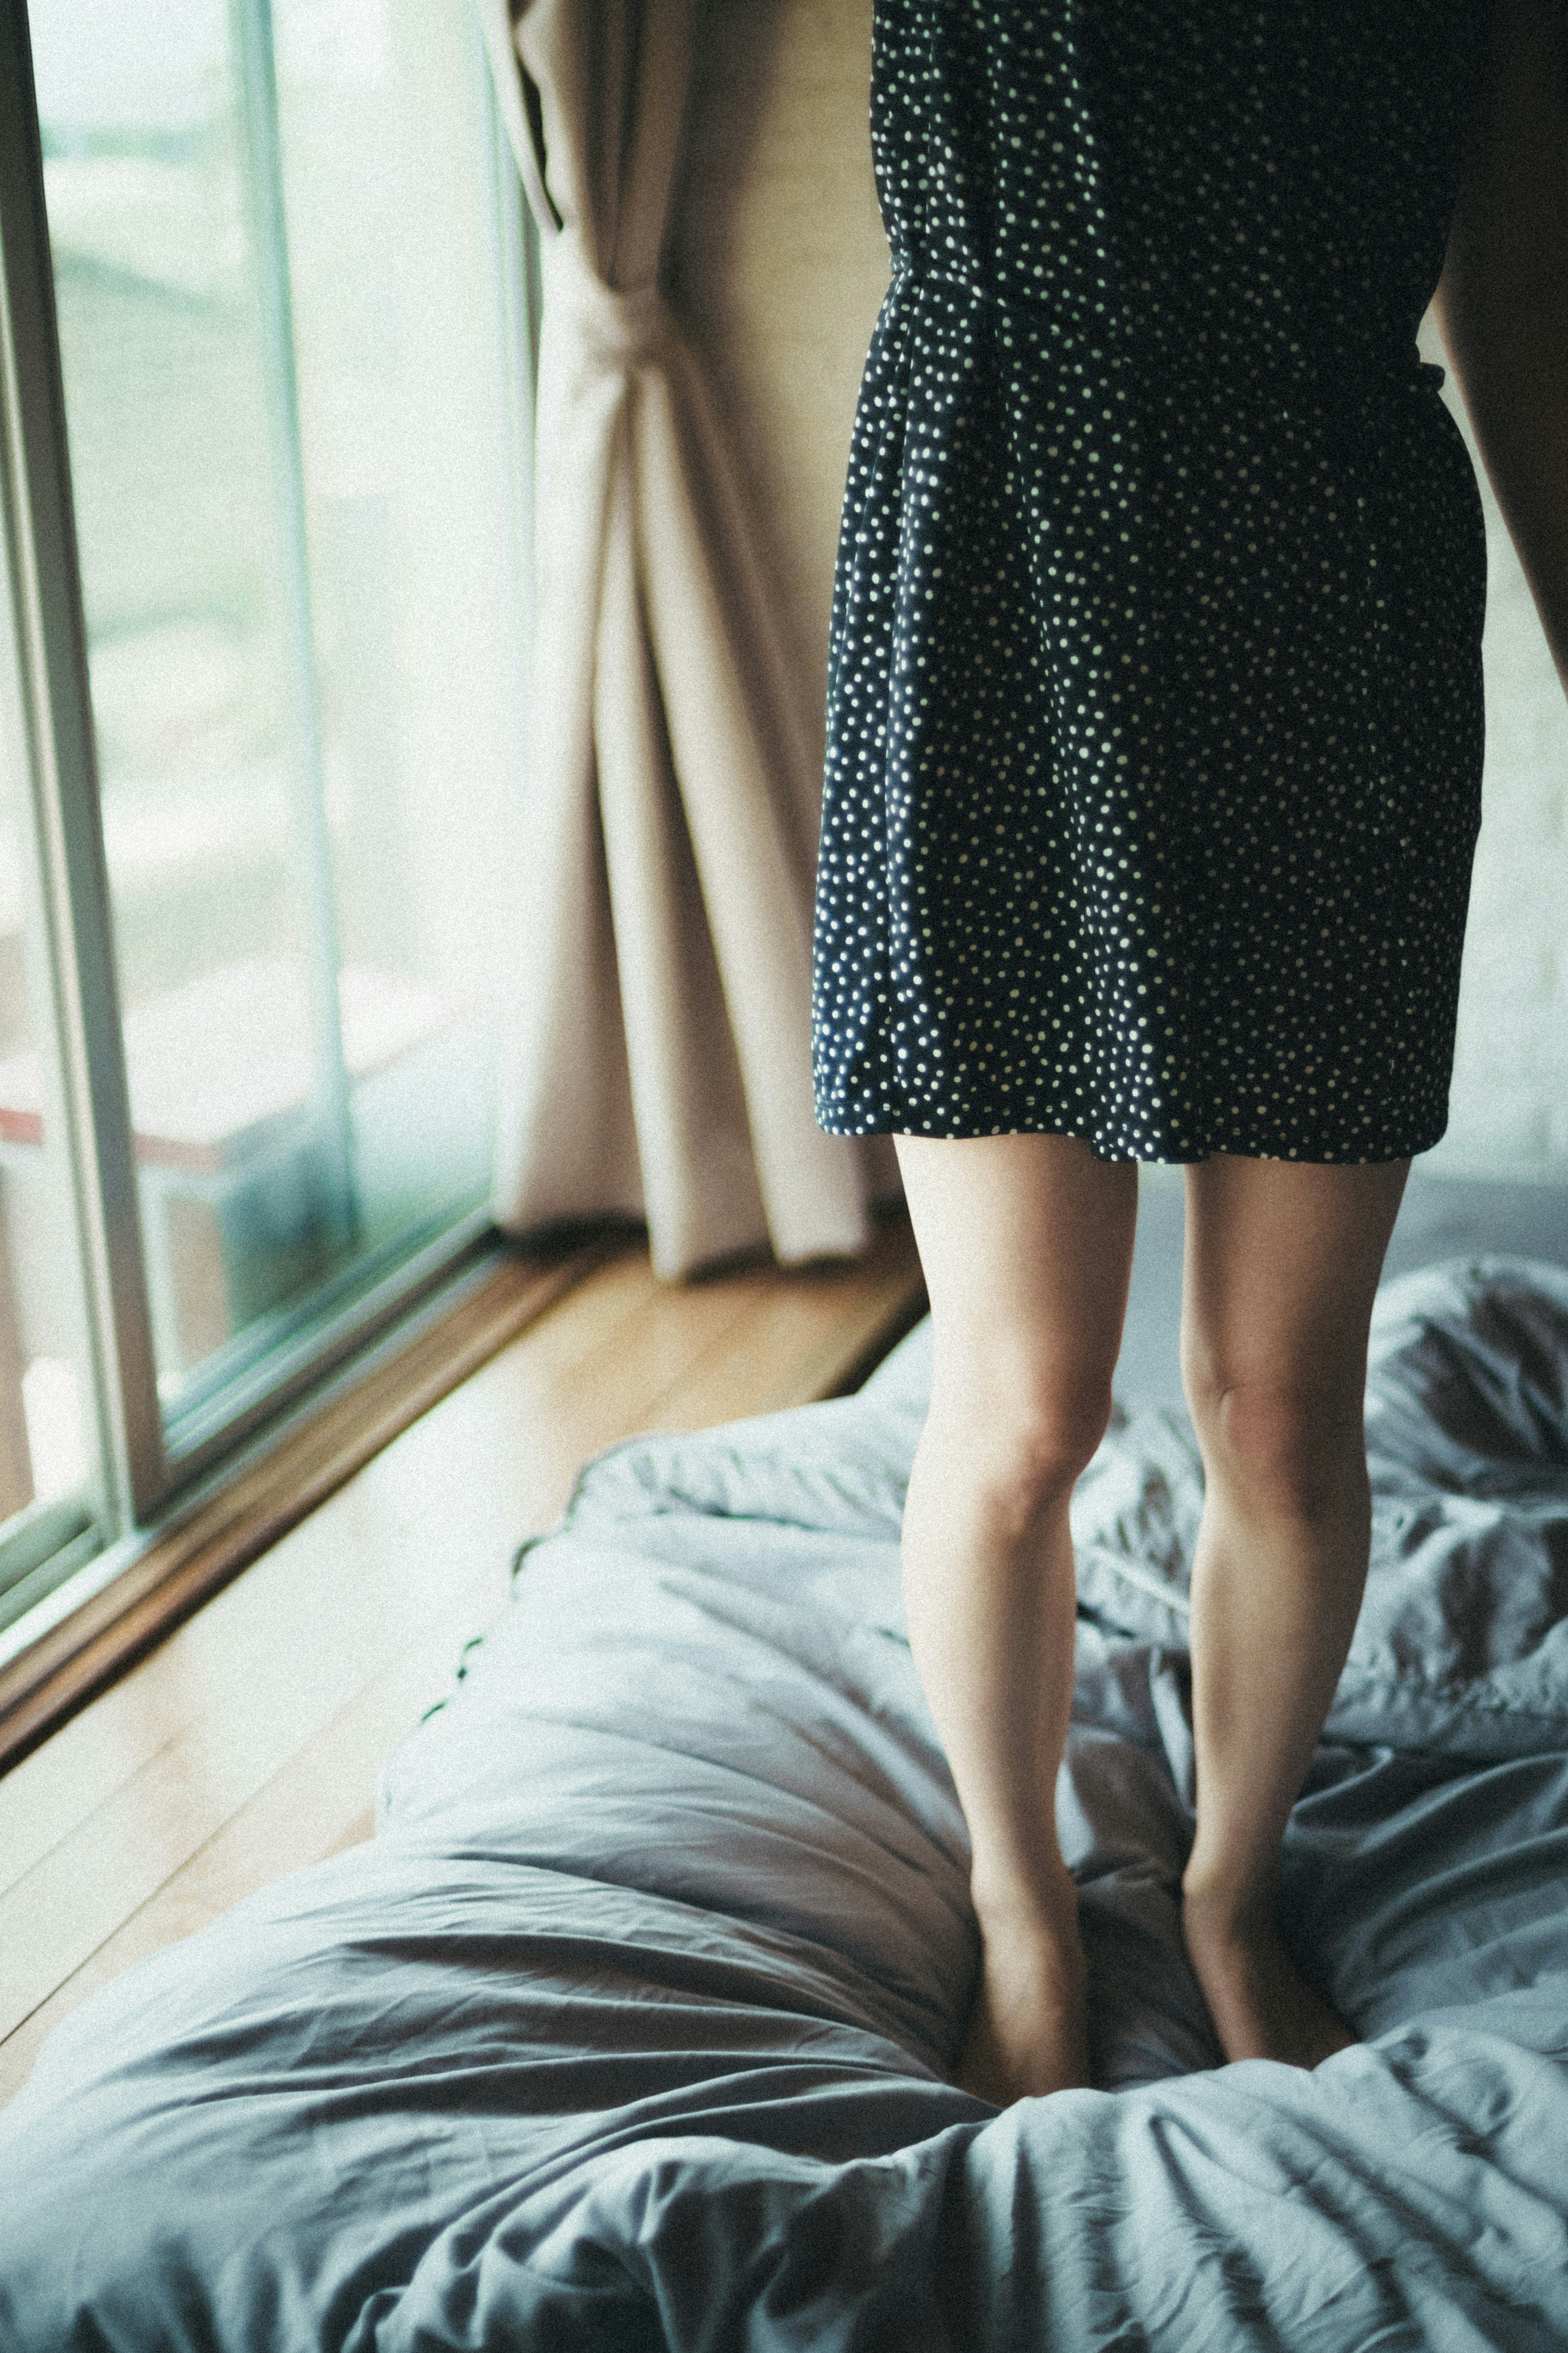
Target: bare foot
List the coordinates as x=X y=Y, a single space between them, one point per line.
x=1027 y=2032
x=1262 y=2008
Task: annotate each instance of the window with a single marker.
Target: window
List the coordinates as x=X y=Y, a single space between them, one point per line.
x=266 y=472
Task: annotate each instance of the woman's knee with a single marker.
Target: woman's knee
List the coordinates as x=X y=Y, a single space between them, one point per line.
x=1018 y=1445
x=1292 y=1449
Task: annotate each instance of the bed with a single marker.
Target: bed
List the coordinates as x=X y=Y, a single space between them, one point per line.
x=632 y=2027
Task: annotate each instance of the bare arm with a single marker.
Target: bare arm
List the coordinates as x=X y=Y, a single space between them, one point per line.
x=1501 y=306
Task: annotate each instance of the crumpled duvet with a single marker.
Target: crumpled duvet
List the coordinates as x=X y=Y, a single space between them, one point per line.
x=631 y=2027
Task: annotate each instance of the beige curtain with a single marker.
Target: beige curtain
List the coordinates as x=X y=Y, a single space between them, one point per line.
x=659 y=1061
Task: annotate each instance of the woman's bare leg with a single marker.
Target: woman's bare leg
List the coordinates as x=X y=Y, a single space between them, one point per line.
x=1027 y=1243
x=1282 y=1260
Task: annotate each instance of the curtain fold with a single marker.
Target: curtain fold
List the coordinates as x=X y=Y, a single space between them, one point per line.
x=659 y=1059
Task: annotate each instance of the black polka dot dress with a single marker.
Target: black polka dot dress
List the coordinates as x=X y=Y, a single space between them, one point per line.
x=1155 y=712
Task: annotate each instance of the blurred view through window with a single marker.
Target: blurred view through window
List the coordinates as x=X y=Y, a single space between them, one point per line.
x=291 y=378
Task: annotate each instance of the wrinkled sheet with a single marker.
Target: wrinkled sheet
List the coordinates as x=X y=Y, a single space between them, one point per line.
x=631 y=2026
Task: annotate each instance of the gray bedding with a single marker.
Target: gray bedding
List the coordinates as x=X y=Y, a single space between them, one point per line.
x=631 y=2027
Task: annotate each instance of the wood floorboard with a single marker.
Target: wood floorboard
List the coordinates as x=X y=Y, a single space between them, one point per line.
x=207 y=1542
x=781 y=1353
x=347 y=1590
x=316 y=1804
x=247 y=1745
x=232 y=1638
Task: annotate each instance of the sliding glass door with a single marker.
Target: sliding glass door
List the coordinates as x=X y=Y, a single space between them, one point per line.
x=266 y=476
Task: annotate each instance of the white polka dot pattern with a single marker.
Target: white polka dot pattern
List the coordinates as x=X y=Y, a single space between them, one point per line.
x=1155 y=703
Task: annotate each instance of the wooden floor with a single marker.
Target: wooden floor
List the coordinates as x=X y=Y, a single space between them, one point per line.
x=247 y=1745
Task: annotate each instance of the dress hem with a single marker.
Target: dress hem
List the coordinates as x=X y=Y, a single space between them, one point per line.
x=1173 y=1157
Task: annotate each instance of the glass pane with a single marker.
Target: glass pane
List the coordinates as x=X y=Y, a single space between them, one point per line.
x=290 y=391
x=48 y=1457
